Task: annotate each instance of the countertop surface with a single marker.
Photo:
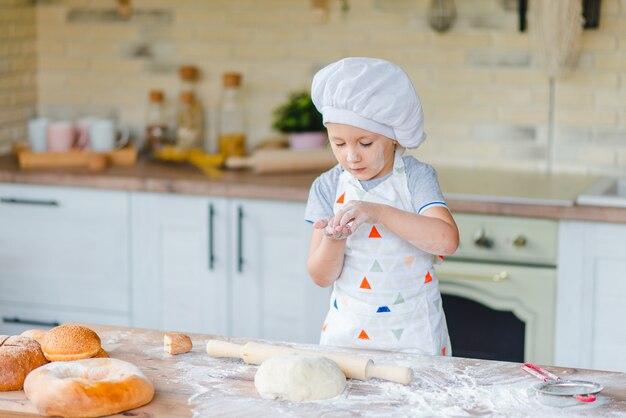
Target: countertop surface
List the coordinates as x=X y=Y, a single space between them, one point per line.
x=466 y=190
x=194 y=384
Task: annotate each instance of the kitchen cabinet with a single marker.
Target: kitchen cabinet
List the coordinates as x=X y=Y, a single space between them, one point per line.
x=63 y=250
x=273 y=295
x=591 y=331
x=180 y=263
x=224 y=266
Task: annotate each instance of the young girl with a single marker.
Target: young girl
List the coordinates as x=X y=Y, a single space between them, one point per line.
x=379 y=219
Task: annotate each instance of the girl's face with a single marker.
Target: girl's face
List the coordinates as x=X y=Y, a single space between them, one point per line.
x=364 y=154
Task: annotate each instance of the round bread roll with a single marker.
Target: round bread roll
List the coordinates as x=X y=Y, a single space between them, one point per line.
x=35 y=334
x=70 y=342
x=87 y=388
x=18 y=357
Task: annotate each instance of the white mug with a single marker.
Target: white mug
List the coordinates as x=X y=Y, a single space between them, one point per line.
x=37 y=133
x=103 y=135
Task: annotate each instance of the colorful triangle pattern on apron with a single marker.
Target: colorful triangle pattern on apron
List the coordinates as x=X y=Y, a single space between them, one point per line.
x=374 y=232
x=397 y=333
x=383 y=306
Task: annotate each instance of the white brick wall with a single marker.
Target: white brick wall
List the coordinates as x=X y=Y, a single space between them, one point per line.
x=485 y=101
x=17 y=70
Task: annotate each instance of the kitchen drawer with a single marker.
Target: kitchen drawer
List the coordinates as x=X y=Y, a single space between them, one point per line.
x=77 y=203
x=63 y=247
x=14 y=319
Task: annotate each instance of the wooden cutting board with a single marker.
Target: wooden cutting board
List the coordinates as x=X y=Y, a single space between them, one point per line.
x=93 y=161
x=144 y=348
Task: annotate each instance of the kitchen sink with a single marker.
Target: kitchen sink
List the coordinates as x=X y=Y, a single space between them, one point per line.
x=606 y=191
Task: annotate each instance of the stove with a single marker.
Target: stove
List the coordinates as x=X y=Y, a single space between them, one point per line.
x=499 y=288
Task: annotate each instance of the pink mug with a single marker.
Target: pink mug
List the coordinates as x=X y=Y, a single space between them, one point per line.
x=61 y=136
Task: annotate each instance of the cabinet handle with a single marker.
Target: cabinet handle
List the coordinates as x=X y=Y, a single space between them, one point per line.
x=239 y=239
x=211 y=254
x=16 y=320
x=496 y=277
x=37 y=202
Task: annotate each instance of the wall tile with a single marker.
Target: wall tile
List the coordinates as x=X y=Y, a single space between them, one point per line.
x=18 y=64
x=478 y=83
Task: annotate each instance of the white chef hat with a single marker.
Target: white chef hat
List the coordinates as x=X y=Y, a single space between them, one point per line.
x=371 y=94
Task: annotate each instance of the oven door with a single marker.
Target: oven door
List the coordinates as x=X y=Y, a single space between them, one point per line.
x=499 y=311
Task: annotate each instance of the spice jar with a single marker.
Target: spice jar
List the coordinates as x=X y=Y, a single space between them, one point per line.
x=190 y=123
x=157 y=134
x=189 y=128
x=232 y=132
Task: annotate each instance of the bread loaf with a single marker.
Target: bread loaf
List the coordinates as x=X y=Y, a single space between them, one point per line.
x=35 y=334
x=101 y=354
x=18 y=357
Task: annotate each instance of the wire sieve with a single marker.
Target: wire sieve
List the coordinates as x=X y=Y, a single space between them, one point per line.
x=559 y=392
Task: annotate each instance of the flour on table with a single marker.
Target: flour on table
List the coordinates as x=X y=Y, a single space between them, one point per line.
x=445 y=388
x=115 y=337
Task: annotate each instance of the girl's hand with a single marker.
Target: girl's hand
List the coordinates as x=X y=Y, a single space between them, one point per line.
x=333 y=231
x=357 y=212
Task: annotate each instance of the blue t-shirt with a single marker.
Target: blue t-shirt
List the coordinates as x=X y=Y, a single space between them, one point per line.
x=421 y=181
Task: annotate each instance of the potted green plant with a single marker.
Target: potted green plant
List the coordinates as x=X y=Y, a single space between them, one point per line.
x=300 y=120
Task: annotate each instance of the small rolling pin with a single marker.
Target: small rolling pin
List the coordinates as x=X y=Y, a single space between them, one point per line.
x=352 y=366
x=268 y=161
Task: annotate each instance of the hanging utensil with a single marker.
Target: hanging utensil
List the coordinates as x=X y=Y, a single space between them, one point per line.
x=441 y=15
x=555 y=391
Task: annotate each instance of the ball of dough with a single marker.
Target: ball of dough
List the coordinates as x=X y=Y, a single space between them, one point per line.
x=299 y=377
x=87 y=388
x=70 y=342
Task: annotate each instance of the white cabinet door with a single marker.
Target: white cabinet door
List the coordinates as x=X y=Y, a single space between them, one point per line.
x=591 y=331
x=64 y=248
x=273 y=296
x=179 y=247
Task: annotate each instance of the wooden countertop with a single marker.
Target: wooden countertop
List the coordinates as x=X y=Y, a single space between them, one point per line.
x=469 y=191
x=194 y=384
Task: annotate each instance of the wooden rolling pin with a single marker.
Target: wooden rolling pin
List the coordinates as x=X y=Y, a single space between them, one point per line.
x=285 y=160
x=352 y=366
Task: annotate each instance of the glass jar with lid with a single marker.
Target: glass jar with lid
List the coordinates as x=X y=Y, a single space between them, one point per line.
x=231 y=121
x=157 y=126
x=189 y=122
x=190 y=114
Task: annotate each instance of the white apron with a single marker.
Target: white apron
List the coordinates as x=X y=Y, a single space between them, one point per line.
x=387 y=296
